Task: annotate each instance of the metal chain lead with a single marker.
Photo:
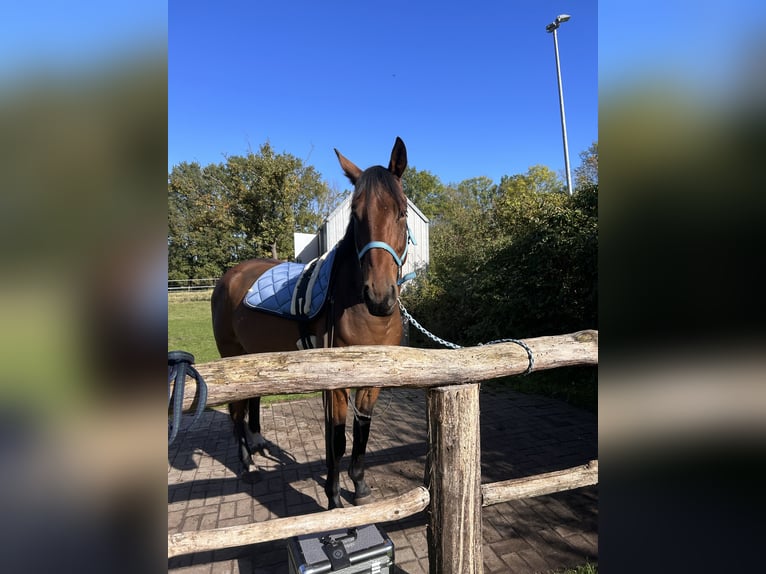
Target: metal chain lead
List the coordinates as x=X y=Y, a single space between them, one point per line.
x=423 y=330
x=444 y=343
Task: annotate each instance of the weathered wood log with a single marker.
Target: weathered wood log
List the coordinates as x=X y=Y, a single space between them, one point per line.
x=395 y=508
x=453 y=475
x=548 y=483
x=260 y=374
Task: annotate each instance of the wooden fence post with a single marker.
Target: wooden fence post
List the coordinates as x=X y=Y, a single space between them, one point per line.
x=453 y=477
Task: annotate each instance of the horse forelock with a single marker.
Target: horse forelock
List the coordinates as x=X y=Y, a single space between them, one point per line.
x=379 y=180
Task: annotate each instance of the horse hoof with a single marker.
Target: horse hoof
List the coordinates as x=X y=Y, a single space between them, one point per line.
x=362 y=500
x=259 y=444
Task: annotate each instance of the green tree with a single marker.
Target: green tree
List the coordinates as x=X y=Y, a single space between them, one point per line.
x=586 y=175
x=183 y=183
x=315 y=200
x=249 y=206
x=266 y=186
x=547 y=265
x=201 y=228
x=479 y=191
x=446 y=202
x=538 y=179
x=425 y=190
x=276 y=196
x=513 y=260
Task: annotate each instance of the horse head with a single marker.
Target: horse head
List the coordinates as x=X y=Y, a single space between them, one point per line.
x=381 y=234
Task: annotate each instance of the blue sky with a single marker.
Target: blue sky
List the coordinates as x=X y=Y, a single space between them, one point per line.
x=704 y=45
x=44 y=36
x=470 y=87
x=471 y=90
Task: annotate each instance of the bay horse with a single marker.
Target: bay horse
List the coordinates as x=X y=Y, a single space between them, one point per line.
x=360 y=309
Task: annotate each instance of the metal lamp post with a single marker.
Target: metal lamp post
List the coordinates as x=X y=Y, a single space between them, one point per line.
x=552 y=27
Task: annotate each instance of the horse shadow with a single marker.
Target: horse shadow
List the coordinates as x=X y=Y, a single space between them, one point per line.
x=209 y=450
x=521 y=436
x=212 y=436
x=282 y=486
x=206 y=452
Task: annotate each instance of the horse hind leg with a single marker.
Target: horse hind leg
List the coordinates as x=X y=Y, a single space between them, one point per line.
x=364 y=401
x=229 y=346
x=237 y=413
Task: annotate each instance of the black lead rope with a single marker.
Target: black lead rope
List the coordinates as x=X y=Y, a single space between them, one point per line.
x=179 y=366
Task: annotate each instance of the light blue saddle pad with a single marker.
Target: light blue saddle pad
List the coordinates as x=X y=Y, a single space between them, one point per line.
x=276 y=291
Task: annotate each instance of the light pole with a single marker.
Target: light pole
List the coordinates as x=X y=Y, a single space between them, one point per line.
x=552 y=27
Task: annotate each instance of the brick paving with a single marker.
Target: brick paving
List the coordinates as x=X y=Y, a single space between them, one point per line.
x=521 y=435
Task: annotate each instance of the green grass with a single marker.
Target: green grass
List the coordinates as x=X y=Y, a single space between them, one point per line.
x=190 y=329
x=189 y=325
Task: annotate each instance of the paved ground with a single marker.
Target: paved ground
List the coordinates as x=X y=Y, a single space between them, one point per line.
x=521 y=435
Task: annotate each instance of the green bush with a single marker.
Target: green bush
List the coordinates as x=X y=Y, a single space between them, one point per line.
x=526 y=267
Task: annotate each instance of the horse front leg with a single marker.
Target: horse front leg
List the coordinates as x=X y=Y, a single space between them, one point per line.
x=365 y=401
x=255 y=438
x=336 y=405
x=237 y=414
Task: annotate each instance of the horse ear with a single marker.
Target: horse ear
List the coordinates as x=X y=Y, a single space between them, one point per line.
x=352 y=172
x=398 y=162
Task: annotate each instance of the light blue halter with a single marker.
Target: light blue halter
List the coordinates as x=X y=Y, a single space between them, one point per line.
x=398 y=260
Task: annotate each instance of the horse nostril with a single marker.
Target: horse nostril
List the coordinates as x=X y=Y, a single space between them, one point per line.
x=367 y=293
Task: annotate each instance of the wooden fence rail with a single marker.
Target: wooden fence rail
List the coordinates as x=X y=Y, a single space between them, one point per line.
x=455 y=495
x=395 y=508
x=538 y=485
x=261 y=374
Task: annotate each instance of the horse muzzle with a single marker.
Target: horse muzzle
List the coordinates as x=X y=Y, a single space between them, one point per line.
x=380 y=304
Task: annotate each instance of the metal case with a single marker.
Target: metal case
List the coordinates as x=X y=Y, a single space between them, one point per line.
x=363 y=550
